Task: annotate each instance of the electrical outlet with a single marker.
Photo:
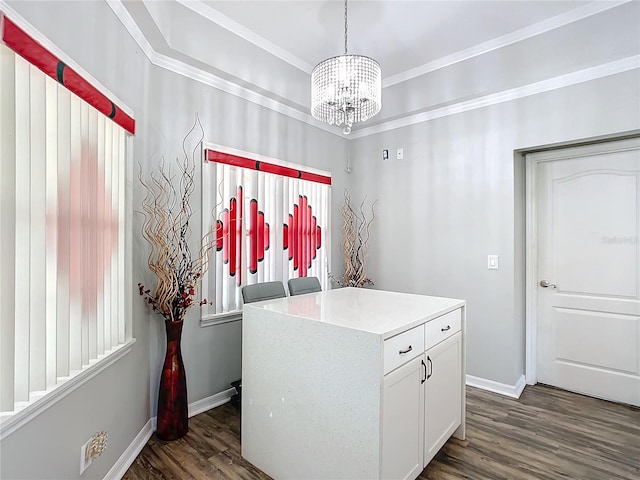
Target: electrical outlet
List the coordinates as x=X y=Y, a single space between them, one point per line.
x=94 y=447
x=84 y=461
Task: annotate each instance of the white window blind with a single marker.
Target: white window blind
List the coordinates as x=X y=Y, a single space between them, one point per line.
x=62 y=211
x=272 y=222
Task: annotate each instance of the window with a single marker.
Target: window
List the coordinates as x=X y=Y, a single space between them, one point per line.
x=271 y=222
x=62 y=211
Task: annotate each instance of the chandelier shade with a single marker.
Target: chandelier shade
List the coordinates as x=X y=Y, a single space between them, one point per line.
x=346 y=89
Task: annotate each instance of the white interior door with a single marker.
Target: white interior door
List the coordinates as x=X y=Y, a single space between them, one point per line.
x=588 y=312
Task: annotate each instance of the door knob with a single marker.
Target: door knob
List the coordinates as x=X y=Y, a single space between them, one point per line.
x=547 y=284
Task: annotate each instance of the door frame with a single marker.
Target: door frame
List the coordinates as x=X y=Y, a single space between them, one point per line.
x=531 y=238
x=531 y=271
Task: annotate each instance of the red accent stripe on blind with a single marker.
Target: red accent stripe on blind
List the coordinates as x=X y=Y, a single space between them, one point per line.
x=25 y=46
x=296 y=237
x=239 y=217
x=228 y=159
x=253 y=236
x=226 y=235
x=261 y=248
x=290 y=235
x=314 y=242
x=233 y=215
x=219 y=235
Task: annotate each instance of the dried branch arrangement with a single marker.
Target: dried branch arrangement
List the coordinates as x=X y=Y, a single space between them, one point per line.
x=167 y=215
x=355 y=232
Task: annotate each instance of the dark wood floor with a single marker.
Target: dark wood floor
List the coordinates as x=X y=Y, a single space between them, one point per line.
x=546 y=434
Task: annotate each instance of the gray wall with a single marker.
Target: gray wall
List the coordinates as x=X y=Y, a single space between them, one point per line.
x=123 y=398
x=212 y=354
x=117 y=400
x=457 y=197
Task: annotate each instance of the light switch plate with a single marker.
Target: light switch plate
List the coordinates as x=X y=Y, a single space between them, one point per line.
x=400 y=154
x=493 y=262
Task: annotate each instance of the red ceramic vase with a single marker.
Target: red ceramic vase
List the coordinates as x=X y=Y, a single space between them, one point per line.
x=173 y=418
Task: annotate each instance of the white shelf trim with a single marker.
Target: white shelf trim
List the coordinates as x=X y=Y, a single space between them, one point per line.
x=18 y=419
x=220 y=318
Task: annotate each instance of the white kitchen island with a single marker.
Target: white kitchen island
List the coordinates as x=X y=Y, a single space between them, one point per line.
x=351 y=383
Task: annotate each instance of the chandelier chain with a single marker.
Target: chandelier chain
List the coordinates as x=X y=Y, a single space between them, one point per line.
x=345 y=27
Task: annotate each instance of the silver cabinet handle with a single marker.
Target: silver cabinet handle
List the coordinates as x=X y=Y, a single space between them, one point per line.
x=402 y=352
x=448 y=327
x=547 y=284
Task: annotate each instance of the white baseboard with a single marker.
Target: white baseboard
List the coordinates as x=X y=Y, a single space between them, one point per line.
x=513 y=391
x=133 y=450
x=210 y=402
x=129 y=456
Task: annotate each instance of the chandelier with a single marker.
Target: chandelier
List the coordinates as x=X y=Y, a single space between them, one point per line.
x=346 y=89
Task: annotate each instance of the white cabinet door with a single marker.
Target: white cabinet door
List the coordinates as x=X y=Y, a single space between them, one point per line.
x=403 y=420
x=443 y=394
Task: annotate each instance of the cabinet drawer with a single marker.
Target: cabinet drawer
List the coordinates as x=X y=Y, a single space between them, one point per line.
x=403 y=347
x=442 y=328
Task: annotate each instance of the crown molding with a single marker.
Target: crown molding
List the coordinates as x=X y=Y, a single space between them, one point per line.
x=577 y=14
x=496 y=43
x=184 y=69
x=566 y=18
x=132 y=27
x=567 y=80
x=213 y=15
x=214 y=81
x=195 y=73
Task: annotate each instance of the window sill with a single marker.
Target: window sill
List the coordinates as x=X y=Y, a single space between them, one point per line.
x=220 y=318
x=12 y=421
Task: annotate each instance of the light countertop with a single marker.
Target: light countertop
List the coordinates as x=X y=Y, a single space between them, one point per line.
x=373 y=311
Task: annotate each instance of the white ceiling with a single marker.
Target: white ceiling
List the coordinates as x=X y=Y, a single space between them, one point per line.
x=270 y=47
x=401 y=35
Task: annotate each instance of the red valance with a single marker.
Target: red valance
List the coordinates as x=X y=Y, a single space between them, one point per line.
x=25 y=46
x=228 y=159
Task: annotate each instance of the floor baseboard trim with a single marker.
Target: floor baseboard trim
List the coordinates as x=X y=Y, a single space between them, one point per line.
x=513 y=391
x=210 y=402
x=133 y=450
x=130 y=454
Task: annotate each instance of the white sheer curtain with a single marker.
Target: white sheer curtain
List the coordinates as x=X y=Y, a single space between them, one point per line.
x=62 y=242
x=271 y=226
